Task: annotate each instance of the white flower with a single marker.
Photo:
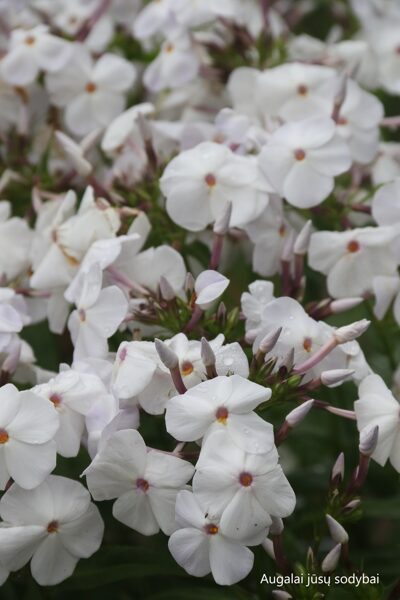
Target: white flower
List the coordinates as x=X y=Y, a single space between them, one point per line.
x=302 y=158
x=199 y=182
x=269 y=233
x=387 y=165
x=145 y=482
x=200 y=547
x=386 y=289
x=138 y=373
x=54 y=525
x=72 y=394
x=291 y=91
x=253 y=302
x=98 y=315
x=359 y=119
x=223 y=402
x=244 y=490
x=92 y=93
x=28 y=424
x=14 y=258
x=351 y=259
x=31 y=51
x=176 y=65
x=153 y=18
x=377 y=407
x=209 y=286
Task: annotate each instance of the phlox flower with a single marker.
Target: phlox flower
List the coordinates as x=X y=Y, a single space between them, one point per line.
x=145 y=482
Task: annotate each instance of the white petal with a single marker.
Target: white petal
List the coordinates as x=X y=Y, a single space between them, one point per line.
x=166 y=470
x=30 y=464
x=244 y=517
x=36 y=421
x=17 y=545
x=251 y=433
x=190 y=549
x=82 y=537
x=52 y=563
x=134 y=510
x=230 y=562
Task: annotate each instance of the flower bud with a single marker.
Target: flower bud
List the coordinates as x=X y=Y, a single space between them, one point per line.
x=331 y=560
x=189 y=283
x=207 y=353
x=338 y=469
x=351 y=332
x=166 y=289
x=281 y=595
x=299 y=413
x=368 y=440
x=287 y=250
x=338 y=533
x=352 y=504
x=303 y=239
x=269 y=341
x=344 y=304
x=336 y=376
x=167 y=356
x=221 y=225
x=268 y=546
x=276 y=527
x=288 y=360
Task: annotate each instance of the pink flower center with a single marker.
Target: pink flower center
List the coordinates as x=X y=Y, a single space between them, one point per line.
x=91 y=87
x=222 y=415
x=55 y=399
x=142 y=484
x=82 y=315
x=52 y=527
x=30 y=40
x=186 y=368
x=307 y=344
x=245 y=479
x=353 y=246
x=211 y=529
x=4 y=437
x=210 y=180
x=299 y=154
x=302 y=90
x=122 y=354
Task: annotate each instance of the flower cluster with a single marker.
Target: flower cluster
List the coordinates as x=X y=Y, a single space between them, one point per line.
x=195 y=199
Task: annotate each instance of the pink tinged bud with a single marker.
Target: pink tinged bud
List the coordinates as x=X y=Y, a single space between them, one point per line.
x=269 y=341
x=351 y=332
x=287 y=250
x=303 y=240
x=299 y=413
x=338 y=468
x=167 y=356
x=276 y=527
x=344 y=304
x=336 y=376
x=166 y=289
x=221 y=225
x=337 y=531
x=268 y=546
x=281 y=595
x=340 y=96
x=189 y=283
x=288 y=360
x=352 y=504
x=331 y=560
x=368 y=440
x=207 y=353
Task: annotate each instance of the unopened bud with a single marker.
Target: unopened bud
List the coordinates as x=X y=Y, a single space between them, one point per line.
x=288 y=360
x=281 y=595
x=340 y=95
x=189 y=282
x=352 y=504
x=337 y=531
x=207 y=353
x=166 y=289
x=269 y=341
x=287 y=250
x=299 y=413
x=221 y=312
x=338 y=469
x=351 y=332
x=331 y=560
x=344 y=304
x=221 y=225
x=368 y=440
x=336 y=376
x=268 y=546
x=303 y=240
x=167 y=356
x=276 y=527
